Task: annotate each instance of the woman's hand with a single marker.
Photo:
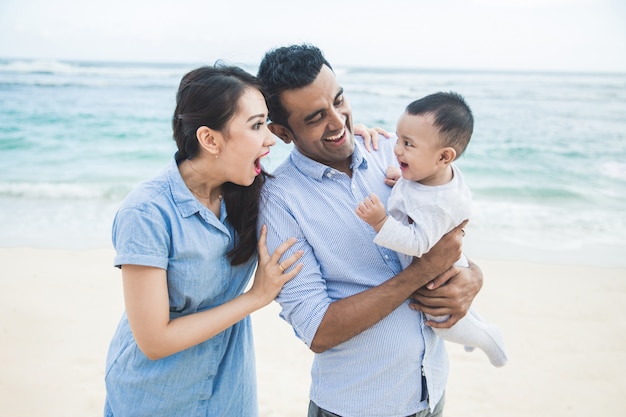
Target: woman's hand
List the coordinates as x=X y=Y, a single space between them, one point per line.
x=271 y=274
x=370 y=136
x=147 y=303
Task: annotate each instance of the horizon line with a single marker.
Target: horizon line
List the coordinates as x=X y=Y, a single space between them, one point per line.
x=395 y=67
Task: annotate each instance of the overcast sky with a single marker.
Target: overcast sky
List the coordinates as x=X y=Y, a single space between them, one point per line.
x=553 y=35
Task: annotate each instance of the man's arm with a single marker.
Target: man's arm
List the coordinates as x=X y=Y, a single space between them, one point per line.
x=451 y=293
x=350 y=316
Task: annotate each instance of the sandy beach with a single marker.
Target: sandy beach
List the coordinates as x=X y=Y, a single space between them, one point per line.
x=565 y=331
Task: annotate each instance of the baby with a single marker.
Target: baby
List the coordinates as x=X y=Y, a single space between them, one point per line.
x=430 y=199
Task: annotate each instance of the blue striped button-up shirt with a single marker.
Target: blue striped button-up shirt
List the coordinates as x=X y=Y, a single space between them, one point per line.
x=378 y=372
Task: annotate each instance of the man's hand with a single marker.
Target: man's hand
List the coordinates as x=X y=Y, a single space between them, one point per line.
x=442 y=256
x=451 y=293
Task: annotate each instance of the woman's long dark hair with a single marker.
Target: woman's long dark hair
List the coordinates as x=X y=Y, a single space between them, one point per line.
x=208 y=96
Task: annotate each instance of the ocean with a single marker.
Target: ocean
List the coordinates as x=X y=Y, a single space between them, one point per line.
x=546 y=163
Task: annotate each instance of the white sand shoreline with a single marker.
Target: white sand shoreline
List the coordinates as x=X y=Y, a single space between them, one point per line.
x=564 y=325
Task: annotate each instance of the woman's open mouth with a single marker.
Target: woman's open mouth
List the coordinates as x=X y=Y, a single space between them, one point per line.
x=257 y=163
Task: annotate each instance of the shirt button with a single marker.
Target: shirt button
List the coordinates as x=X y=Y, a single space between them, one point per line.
x=387 y=257
x=329 y=174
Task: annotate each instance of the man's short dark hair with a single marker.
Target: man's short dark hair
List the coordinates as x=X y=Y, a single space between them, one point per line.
x=288 y=68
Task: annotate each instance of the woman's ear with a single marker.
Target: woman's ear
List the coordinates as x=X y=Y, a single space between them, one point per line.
x=282 y=132
x=446 y=155
x=209 y=140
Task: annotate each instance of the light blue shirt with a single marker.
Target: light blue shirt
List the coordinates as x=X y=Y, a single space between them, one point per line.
x=161 y=224
x=378 y=372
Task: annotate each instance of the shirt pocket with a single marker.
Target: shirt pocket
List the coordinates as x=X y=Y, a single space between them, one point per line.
x=197 y=279
x=122 y=351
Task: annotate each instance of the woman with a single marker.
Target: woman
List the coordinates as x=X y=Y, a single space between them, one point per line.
x=186 y=242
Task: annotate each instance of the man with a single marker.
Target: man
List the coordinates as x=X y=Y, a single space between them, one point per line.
x=375 y=354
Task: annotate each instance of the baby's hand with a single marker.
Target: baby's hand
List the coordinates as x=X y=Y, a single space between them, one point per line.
x=370 y=135
x=372 y=211
x=392 y=175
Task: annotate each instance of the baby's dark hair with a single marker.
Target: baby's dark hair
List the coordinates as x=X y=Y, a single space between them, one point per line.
x=453 y=118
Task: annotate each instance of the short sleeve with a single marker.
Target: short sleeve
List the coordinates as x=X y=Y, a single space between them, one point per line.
x=140 y=238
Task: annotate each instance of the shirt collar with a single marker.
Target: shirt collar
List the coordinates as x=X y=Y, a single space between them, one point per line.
x=185 y=202
x=359 y=157
x=318 y=170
